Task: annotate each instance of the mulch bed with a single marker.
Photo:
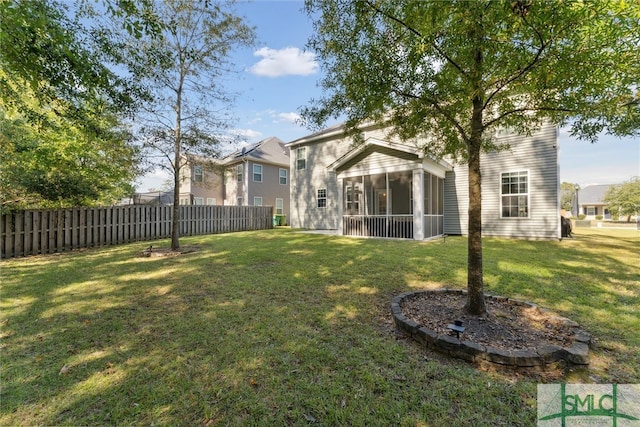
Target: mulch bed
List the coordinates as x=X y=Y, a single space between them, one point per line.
x=152 y=252
x=508 y=326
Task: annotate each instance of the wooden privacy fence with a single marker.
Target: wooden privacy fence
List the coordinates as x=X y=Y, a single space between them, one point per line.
x=48 y=231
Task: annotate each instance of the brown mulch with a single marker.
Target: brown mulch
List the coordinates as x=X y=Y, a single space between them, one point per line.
x=508 y=326
x=154 y=252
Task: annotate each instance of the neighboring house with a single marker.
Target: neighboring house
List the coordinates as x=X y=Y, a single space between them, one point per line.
x=591 y=201
x=385 y=188
x=159 y=197
x=257 y=175
x=201 y=182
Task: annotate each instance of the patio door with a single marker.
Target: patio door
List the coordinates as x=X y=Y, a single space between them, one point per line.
x=383 y=200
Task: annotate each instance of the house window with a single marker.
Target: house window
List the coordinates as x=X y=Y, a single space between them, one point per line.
x=279 y=206
x=282 y=173
x=257 y=173
x=184 y=201
x=199 y=201
x=322 y=198
x=239 y=201
x=515 y=194
x=239 y=170
x=197 y=174
x=257 y=201
x=211 y=200
x=592 y=211
x=301 y=158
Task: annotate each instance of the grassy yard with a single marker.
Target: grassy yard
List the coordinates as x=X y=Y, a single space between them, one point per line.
x=282 y=328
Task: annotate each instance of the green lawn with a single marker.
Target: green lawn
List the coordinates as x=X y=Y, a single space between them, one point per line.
x=282 y=328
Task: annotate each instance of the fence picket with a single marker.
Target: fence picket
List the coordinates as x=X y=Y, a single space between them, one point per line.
x=46 y=231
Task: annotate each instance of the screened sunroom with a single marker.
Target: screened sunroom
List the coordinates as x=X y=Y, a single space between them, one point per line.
x=392 y=192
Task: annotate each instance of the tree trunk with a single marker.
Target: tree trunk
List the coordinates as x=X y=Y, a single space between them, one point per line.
x=177 y=166
x=175 y=211
x=475 y=287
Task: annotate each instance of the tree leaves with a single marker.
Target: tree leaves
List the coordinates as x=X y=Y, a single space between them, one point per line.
x=540 y=60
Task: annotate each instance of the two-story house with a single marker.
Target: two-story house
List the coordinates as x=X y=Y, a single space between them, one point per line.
x=256 y=175
x=389 y=188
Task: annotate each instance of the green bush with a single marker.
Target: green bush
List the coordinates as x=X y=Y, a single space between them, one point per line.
x=581 y=216
x=598 y=217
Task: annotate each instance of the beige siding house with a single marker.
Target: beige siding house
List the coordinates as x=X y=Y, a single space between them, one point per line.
x=257 y=175
x=389 y=188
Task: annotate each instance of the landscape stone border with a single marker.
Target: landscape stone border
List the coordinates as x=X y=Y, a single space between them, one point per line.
x=544 y=358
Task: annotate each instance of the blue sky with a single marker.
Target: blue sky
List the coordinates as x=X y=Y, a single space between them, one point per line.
x=277 y=77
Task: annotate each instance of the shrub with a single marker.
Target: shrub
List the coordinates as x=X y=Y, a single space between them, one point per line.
x=581 y=216
x=598 y=217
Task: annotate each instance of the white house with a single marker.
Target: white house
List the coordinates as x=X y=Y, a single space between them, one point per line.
x=591 y=201
x=387 y=188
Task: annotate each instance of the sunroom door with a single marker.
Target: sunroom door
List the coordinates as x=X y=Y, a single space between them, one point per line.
x=383 y=200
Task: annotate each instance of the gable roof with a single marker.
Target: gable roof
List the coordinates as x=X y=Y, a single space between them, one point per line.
x=375 y=142
x=594 y=194
x=269 y=150
x=331 y=131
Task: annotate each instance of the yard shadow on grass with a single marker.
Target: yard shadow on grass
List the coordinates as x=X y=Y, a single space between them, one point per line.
x=280 y=327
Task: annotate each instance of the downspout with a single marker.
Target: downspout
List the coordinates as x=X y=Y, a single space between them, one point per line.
x=245 y=190
x=556 y=145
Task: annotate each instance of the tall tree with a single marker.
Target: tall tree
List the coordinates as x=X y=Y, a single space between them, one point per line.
x=624 y=199
x=61 y=111
x=458 y=70
x=62 y=165
x=183 y=68
x=46 y=51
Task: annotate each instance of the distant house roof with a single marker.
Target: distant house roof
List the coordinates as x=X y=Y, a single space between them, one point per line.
x=593 y=194
x=269 y=150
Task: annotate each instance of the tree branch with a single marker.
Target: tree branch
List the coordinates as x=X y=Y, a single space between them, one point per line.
x=522 y=110
x=436 y=105
x=417 y=33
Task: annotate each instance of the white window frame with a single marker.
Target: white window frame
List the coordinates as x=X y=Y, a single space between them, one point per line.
x=257 y=201
x=279 y=206
x=239 y=172
x=198 y=174
x=257 y=174
x=211 y=201
x=239 y=201
x=198 y=201
x=281 y=172
x=591 y=211
x=321 y=198
x=521 y=196
x=301 y=158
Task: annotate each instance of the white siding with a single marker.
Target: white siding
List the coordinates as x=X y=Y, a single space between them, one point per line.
x=538 y=156
x=306 y=182
x=380 y=160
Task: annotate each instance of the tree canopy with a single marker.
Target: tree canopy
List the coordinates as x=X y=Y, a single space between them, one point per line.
x=624 y=199
x=457 y=71
x=62 y=107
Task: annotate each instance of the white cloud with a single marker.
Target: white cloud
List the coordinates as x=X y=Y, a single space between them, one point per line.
x=246 y=133
x=289 y=117
x=284 y=62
